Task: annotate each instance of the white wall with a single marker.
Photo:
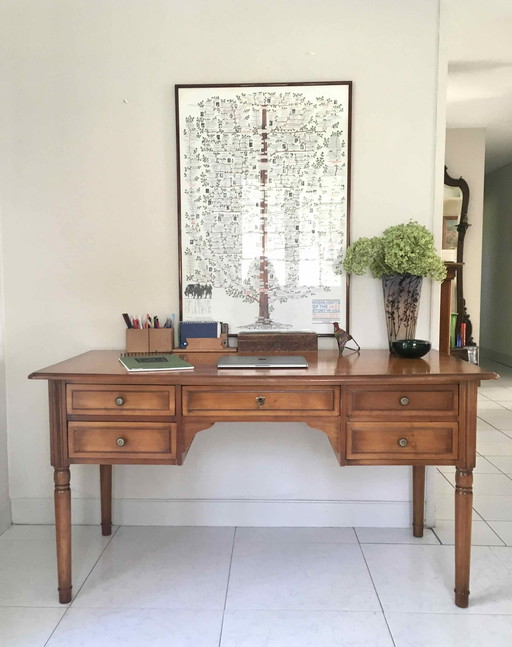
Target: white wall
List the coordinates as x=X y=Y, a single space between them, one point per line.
x=90 y=231
x=497 y=267
x=465 y=157
x=5 y=503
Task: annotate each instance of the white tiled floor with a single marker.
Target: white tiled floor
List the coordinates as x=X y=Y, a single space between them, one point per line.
x=277 y=587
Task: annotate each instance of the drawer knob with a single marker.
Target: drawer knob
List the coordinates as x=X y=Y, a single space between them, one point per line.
x=119 y=401
x=403 y=442
x=260 y=400
x=120 y=442
x=404 y=401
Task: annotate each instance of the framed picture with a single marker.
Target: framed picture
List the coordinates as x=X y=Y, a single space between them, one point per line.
x=263 y=199
x=450 y=233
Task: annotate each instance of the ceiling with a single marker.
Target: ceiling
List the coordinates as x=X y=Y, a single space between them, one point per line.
x=479 y=49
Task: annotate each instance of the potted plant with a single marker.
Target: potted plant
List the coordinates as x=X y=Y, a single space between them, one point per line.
x=401 y=257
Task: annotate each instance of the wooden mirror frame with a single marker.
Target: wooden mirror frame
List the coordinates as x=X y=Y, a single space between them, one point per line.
x=462 y=226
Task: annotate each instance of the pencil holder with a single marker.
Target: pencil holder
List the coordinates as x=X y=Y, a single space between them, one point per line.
x=137 y=340
x=160 y=340
x=149 y=340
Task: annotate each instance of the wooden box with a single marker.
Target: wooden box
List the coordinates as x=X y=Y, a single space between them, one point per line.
x=267 y=342
x=208 y=344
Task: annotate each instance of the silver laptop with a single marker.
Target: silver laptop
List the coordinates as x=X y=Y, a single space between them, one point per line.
x=262 y=361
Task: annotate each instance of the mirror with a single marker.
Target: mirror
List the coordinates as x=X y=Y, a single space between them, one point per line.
x=455 y=225
x=452 y=209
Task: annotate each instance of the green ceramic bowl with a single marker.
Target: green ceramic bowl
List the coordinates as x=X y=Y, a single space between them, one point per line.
x=411 y=347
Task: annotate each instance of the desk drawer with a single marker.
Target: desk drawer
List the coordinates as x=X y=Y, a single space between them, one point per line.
x=398 y=440
x=119 y=439
x=100 y=399
x=279 y=402
x=421 y=401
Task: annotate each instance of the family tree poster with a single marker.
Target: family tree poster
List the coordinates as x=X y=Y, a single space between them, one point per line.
x=263 y=179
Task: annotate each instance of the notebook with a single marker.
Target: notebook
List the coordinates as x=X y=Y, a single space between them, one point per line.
x=158 y=362
x=262 y=361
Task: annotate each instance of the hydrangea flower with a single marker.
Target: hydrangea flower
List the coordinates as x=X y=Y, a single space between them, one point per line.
x=402 y=249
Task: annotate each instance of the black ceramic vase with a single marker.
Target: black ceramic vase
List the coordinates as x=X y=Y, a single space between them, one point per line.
x=401 y=301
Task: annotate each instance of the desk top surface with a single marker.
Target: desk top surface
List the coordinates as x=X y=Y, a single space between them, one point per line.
x=324 y=366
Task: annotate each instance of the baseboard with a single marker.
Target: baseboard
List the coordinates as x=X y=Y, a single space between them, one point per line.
x=195 y=512
x=493 y=356
x=5 y=516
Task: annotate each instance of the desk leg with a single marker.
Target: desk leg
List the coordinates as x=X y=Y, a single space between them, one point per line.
x=463 y=516
x=62 y=496
x=106 y=499
x=418 y=499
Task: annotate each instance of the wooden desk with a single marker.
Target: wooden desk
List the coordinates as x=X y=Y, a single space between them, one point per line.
x=375 y=408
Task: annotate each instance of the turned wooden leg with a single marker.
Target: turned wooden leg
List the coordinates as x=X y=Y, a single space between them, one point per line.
x=463 y=515
x=106 y=499
x=418 y=499
x=62 y=497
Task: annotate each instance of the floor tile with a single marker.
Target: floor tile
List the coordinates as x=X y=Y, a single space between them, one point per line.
x=482 y=425
x=304 y=629
x=299 y=535
x=443 y=483
x=504 y=371
x=28 y=569
x=498 y=393
x=28 y=532
x=420 y=579
x=46 y=533
x=449 y=630
x=499 y=419
x=488 y=484
x=483 y=466
x=394 y=536
x=503 y=463
x=504 y=554
x=161 y=567
x=495 y=447
x=29 y=626
x=445 y=507
x=503 y=529
x=481 y=534
x=493 y=508
x=491 y=404
x=504 y=380
x=138 y=628
x=318 y=577
x=493 y=436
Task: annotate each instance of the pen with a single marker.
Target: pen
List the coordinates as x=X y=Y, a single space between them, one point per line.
x=127 y=320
